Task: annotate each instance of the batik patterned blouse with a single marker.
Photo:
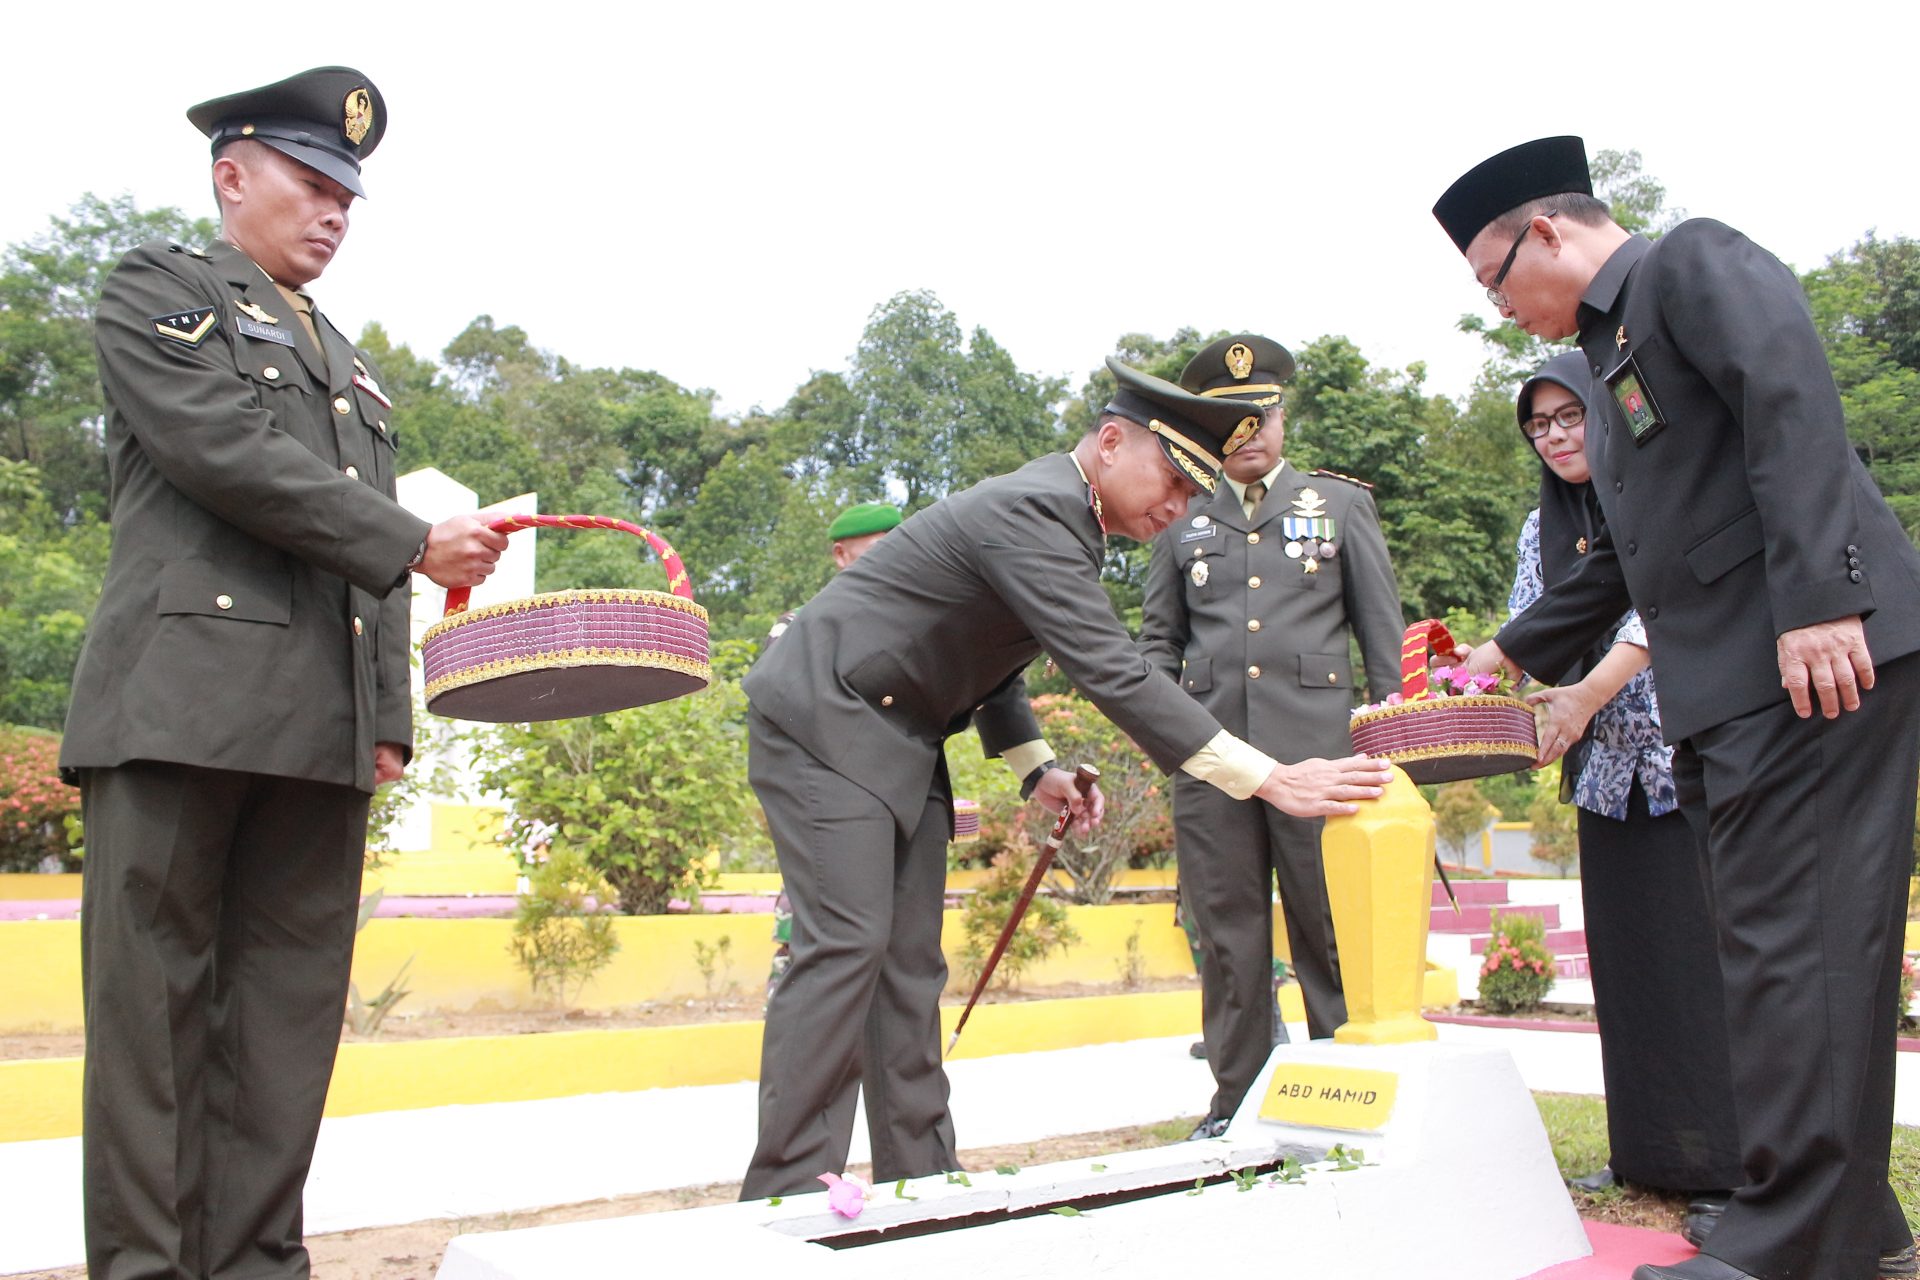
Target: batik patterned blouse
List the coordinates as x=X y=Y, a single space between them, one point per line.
x=1624 y=735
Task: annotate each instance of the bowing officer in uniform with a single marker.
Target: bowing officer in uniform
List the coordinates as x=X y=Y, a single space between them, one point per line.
x=926 y=633
x=1250 y=600
x=1782 y=606
x=242 y=690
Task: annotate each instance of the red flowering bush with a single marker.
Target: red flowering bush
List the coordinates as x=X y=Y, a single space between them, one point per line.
x=1518 y=968
x=34 y=803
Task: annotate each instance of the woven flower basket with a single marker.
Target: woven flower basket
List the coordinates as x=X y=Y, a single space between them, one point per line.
x=966 y=821
x=564 y=654
x=1446 y=739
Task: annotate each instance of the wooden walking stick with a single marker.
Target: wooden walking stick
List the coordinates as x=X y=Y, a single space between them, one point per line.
x=1083 y=778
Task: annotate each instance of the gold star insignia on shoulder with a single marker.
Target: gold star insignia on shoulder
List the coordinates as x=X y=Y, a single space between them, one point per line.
x=255 y=312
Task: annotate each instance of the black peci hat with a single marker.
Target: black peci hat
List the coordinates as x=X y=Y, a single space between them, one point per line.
x=1543 y=167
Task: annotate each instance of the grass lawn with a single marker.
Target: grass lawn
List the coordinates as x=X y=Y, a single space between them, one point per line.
x=1577 y=1127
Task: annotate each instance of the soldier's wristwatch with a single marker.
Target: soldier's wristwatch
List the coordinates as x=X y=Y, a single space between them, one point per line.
x=1032 y=780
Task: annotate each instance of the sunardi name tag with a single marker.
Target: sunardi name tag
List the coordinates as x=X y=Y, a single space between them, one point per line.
x=1318 y=1096
x=266 y=332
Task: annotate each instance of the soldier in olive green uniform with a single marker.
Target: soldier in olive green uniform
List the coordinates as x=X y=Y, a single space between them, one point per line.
x=243 y=688
x=853 y=532
x=1250 y=600
x=927 y=633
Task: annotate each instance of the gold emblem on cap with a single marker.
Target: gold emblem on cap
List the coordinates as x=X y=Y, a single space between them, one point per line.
x=359 y=116
x=256 y=312
x=246 y=131
x=1248 y=427
x=1239 y=360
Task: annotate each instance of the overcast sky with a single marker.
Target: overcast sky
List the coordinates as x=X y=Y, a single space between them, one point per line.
x=723 y=193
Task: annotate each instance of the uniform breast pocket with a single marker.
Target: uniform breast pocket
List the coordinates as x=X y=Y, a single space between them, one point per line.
x=243 y=593
x=274 y=370
x=1202 y=571
x=1196 y=675
x=1326 y=671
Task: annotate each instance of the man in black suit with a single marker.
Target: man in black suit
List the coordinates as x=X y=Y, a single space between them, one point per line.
x=926 y=633
x=1774 y=582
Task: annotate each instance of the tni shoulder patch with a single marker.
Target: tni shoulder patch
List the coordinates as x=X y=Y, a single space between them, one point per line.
x=188 y=328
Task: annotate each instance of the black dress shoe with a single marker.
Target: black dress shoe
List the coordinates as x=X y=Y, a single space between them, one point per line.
x=1211 y=1127
x=1599 y=1180
x=1703 y=1215
x=1700 y=1267
x=1198 y=1049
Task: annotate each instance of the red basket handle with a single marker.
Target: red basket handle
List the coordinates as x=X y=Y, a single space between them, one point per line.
x=1422 y=638
x=669 y=558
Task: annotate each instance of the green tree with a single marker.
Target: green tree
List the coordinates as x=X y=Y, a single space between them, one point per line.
x=50 y=401
x=1866 y=305
x=646 y=796
x=1440 y=517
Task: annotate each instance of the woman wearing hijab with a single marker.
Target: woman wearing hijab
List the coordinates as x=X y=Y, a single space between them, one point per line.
x=1656 y=976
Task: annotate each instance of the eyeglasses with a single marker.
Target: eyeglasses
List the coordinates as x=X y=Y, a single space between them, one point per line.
x=1567 y=416
x=1494 y=293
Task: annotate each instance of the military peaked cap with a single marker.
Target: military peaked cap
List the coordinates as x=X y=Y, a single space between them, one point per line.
x=1245 y=366
x=329 y=119
x=1195 y=432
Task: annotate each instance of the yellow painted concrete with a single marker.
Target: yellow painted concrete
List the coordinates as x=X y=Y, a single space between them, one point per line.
x=18 y=886
x=461 y=965
x=1380 y=883
x=40 y=1098
x=465 y=857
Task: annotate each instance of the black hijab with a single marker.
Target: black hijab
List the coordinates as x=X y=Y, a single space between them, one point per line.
x=1570 y=519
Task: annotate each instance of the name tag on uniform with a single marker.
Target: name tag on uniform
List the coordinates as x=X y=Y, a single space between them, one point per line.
x=267 y=332
x=1202 y=531
x=1635 y=400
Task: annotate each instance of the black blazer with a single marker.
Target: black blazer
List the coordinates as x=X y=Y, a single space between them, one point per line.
x=1745 y=513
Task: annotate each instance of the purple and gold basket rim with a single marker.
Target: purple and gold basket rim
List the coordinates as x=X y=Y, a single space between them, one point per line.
x=555 y=599
x=549 y=659
x=1380 y=715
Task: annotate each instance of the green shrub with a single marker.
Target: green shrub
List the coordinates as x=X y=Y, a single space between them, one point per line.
x=1043 y=928
x=562 y=934
x=644 y=797
x=1556 y=828
x=34 y=803
x=1518 y=968
x=1460 y=813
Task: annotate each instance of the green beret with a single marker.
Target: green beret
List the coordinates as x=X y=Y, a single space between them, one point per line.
x=867 y=517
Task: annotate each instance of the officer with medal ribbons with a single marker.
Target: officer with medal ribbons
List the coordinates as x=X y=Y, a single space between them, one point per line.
x=1250 y=602
x=242 y=690
x=1781 y=600
x=926 y=633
